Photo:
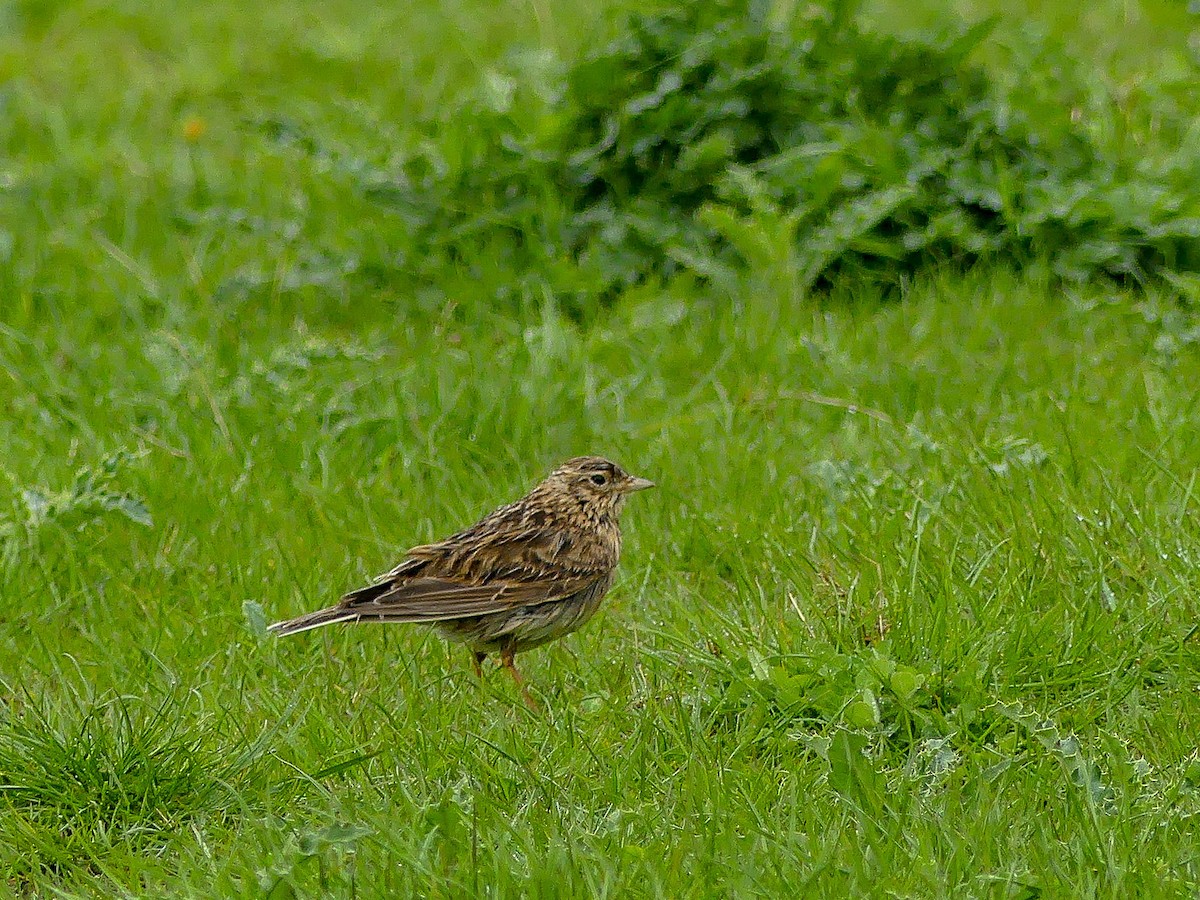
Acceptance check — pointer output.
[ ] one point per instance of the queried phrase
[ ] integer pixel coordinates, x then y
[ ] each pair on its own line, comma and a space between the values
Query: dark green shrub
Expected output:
706, 125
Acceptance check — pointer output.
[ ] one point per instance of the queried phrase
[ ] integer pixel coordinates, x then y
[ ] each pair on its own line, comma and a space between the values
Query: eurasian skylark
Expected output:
523, 575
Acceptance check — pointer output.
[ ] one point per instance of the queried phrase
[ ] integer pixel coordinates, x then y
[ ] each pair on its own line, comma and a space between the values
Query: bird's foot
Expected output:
506, 660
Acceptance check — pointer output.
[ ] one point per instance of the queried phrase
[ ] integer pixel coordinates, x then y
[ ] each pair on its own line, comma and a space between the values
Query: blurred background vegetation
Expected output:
319, 152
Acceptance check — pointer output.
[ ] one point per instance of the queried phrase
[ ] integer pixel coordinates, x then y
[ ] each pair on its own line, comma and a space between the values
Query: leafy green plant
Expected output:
865, 690
332, 841
91, 492
1083, 773
708, 136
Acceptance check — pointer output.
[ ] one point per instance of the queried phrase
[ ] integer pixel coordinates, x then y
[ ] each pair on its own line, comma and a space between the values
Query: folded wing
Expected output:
425, 599
456, 580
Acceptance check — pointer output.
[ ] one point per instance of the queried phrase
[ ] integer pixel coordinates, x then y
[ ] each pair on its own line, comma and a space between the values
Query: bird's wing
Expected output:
438, 599
455, 579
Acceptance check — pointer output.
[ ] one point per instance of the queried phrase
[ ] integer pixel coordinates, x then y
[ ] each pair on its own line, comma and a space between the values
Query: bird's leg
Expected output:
477, 663
506, 660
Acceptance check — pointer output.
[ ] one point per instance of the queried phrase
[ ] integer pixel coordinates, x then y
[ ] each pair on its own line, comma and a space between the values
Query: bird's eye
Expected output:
599, 479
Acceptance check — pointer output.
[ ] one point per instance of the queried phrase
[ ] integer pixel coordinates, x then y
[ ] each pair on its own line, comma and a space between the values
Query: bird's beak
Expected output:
637, 484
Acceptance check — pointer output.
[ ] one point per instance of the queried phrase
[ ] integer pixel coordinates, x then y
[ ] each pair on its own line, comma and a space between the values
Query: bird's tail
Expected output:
314, 620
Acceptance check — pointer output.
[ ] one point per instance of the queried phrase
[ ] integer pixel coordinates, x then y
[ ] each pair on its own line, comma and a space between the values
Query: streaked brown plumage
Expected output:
523, 575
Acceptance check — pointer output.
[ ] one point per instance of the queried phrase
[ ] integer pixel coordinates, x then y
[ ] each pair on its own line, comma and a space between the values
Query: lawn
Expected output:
913, 612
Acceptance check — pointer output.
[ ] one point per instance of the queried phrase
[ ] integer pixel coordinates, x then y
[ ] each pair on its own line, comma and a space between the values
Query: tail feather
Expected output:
314, 620
345, 611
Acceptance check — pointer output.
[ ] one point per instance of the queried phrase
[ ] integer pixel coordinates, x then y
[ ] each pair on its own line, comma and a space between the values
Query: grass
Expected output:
913, 611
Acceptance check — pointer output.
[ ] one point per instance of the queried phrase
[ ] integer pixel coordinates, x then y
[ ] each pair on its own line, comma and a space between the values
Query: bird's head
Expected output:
596, 484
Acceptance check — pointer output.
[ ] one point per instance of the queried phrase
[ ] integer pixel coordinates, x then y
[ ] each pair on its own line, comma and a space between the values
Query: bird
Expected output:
523, 575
